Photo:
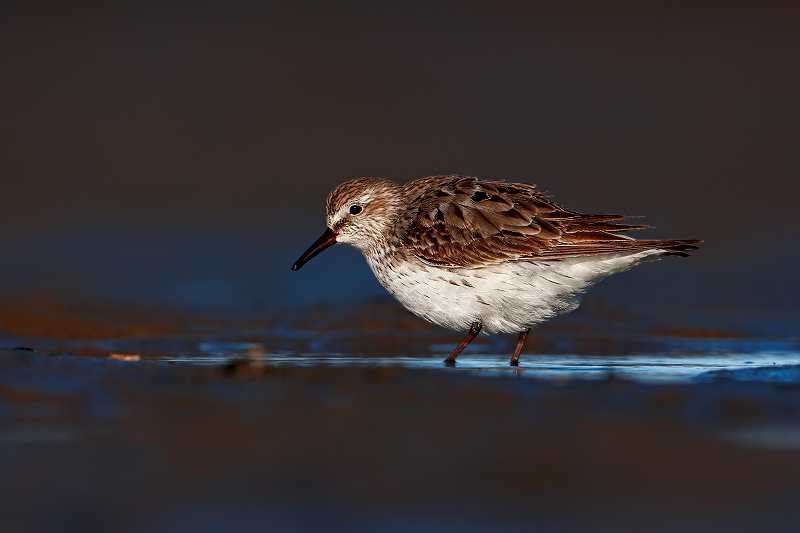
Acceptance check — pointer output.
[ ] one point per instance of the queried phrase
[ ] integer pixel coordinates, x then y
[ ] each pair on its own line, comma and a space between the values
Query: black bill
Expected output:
328, 238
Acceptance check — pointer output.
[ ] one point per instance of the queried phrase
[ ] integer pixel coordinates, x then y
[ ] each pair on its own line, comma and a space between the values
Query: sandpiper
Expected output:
476, 255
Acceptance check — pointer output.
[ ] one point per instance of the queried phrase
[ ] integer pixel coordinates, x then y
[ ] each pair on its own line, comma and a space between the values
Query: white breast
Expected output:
505, 298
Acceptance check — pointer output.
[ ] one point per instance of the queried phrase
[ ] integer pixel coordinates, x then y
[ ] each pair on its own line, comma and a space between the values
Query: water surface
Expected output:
664, 368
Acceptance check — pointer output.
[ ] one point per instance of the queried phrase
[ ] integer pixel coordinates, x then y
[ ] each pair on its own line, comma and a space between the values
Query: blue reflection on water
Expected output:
649, 368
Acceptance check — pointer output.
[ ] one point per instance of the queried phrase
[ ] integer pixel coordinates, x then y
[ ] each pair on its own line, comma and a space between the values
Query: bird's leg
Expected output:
518, 350
473, 331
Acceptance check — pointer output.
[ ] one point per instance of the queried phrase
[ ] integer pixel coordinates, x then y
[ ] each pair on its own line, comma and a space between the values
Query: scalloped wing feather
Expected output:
466, 222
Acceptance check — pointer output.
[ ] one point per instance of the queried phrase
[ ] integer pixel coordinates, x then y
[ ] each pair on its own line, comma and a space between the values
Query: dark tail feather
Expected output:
679, 248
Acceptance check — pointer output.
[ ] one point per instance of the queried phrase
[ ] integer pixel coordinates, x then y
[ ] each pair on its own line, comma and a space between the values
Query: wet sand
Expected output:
250, 425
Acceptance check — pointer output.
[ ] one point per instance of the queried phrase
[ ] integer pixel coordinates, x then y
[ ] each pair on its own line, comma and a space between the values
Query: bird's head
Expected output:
360, 213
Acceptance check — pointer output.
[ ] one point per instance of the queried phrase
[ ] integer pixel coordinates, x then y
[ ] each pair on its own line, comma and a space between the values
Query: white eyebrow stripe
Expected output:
339, 215
365, 198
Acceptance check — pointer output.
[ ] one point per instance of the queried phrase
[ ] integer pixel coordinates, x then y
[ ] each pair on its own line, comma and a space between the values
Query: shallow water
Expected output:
662, 368
346, 419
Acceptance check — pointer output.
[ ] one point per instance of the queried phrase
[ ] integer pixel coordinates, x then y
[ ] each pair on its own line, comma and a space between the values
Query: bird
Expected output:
479, 255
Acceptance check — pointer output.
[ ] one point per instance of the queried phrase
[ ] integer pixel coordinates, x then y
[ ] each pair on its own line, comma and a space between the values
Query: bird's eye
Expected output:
355, 209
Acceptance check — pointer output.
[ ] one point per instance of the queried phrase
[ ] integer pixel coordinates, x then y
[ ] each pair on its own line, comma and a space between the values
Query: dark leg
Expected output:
474, 330
520, 342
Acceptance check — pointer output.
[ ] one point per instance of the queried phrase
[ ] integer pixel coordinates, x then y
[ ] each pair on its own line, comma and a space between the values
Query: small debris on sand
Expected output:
123, 357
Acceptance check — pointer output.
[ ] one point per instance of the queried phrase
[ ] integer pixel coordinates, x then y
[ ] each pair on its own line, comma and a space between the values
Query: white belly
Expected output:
505, 298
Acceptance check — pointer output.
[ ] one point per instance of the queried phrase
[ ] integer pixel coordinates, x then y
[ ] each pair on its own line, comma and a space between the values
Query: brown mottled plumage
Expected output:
466, 222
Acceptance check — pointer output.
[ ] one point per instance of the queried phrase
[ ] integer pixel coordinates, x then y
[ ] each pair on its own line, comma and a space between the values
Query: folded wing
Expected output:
467, 222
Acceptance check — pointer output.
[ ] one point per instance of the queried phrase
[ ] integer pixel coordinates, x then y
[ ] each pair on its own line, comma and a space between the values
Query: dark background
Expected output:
179, 153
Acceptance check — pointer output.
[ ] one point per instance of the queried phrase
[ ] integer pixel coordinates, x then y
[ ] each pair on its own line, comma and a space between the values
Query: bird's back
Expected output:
466, 222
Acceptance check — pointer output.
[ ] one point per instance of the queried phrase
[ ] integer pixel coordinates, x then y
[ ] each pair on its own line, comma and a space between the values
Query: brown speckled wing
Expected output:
467, 222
